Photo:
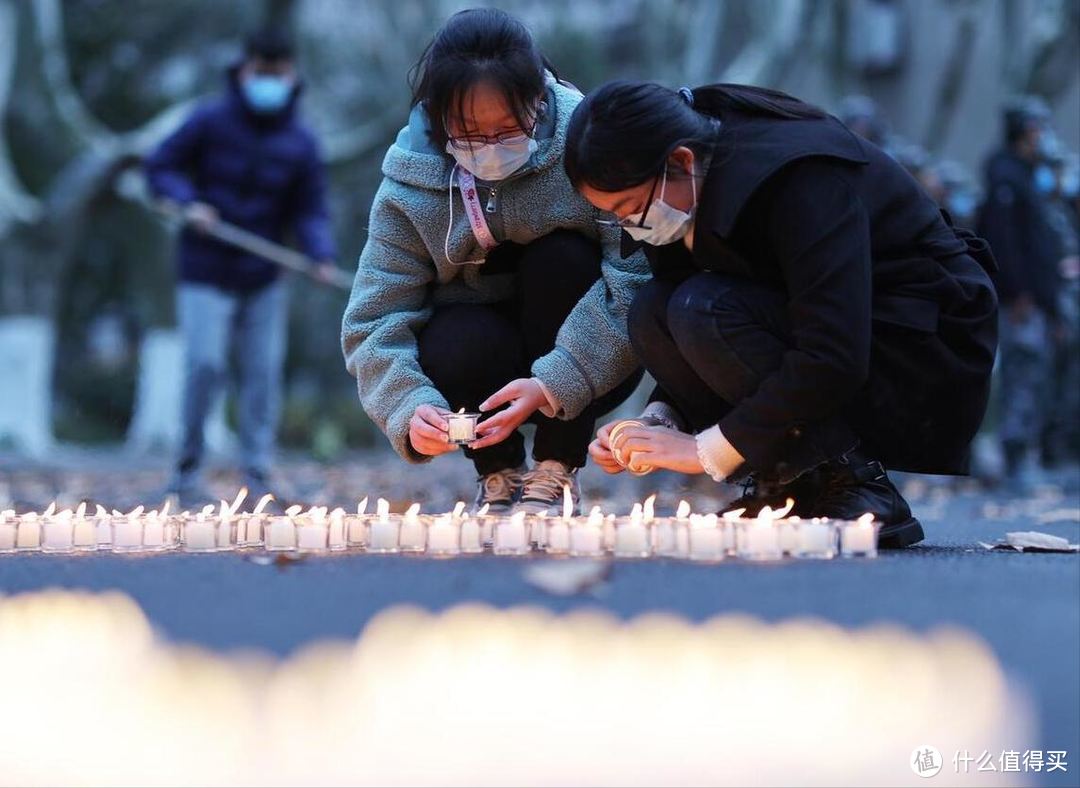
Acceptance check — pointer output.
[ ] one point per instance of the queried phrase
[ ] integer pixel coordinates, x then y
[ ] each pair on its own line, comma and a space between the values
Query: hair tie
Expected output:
687, 95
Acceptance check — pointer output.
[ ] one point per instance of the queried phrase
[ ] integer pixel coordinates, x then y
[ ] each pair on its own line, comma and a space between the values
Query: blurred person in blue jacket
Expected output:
244, 158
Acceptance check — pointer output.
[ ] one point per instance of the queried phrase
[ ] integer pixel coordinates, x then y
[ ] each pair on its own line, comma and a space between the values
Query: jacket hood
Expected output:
413, 160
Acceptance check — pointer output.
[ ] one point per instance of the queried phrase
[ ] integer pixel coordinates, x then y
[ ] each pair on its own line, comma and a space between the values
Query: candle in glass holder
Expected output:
312, 530
279, 533
103, 526
632, 535
9, 527
705, 536
587, 535
127, 530
487, 524
356, 525
859, 538
788, 529
759, 539
200, 532
444, 535
28, 535
817, 539
154, 530
557, 535
226, 525
682, 530
336, 538
412, 538
461, 427
58, 532
511, 535
250, 534
383, 531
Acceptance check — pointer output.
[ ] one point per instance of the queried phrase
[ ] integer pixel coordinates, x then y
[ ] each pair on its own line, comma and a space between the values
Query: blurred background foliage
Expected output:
88, 86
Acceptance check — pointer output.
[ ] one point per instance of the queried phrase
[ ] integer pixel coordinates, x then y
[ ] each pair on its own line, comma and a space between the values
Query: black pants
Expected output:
709, 341
470, 351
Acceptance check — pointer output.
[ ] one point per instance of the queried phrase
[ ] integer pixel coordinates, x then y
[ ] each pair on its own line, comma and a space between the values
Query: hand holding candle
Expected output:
428, 431
524, 397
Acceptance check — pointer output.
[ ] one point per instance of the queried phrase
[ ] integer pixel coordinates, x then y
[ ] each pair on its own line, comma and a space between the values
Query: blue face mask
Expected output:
267, 94
961, 204
1044, 179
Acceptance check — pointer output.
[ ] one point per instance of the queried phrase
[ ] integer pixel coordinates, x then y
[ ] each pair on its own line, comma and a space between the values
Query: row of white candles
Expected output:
771, 535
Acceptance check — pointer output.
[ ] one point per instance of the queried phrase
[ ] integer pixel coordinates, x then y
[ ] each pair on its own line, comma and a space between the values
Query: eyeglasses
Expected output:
640, 223
514, 137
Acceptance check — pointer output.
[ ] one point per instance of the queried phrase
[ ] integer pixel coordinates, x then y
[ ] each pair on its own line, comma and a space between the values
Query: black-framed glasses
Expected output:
640, 223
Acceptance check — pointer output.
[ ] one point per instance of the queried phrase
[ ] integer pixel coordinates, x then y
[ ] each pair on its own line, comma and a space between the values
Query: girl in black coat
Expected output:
813, 316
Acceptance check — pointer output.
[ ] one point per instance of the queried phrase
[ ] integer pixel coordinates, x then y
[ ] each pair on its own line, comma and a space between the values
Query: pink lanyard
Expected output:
474, 210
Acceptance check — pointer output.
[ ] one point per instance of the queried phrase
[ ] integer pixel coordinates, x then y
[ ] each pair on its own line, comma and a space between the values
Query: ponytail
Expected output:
622, 134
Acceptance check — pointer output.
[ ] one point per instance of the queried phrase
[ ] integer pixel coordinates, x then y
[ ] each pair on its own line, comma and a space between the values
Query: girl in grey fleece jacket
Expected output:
422, 260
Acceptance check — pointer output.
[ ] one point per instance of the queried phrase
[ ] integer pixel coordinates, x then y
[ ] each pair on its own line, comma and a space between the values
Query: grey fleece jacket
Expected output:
404, 273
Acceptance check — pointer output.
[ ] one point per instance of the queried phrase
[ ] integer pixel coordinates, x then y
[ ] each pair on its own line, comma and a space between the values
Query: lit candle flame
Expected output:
165, 508
649, 510
412, 512
223, 509
263, 503
138, 510
362, 506
734, 514
780, 514
567, 503
239, 500
294, 510
483, 510
383, 509
596, 517
49, 512
80, 512
518, 518
100, 511
866, 520
683, 511
636, 514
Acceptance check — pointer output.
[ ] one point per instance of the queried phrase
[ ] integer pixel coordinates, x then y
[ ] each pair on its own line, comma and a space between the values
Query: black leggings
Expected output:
470, 351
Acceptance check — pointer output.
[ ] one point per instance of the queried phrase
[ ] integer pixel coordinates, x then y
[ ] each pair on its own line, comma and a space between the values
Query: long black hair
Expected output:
478, 45
622, 133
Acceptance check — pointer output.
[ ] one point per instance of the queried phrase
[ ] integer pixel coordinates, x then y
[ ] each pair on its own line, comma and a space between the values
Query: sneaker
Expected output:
542, 491
853, 485
498, 491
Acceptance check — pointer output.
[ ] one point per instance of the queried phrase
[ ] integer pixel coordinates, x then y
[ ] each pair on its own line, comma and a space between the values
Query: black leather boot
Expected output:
761, 490
853, 485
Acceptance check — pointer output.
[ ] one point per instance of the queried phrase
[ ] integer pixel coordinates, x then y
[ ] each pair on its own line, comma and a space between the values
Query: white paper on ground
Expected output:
1033, 541
566, 578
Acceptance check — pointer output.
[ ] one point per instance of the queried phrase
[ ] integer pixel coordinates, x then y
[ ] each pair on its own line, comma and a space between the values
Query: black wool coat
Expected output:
892, 310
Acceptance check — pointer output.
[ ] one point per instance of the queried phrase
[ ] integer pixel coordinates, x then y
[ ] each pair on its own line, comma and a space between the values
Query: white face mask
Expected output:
494, 161
664, 224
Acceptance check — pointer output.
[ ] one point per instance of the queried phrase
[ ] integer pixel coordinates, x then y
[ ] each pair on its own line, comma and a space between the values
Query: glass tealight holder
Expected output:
662, 536
158, 534
461, 428
817, 539
249, 529
586, 538
557, 536
757, 541
200, 535
356, 528
312, 535
383, 534
511, 536
412, 533
705, 539
28, 536
84, 534
57, 535
858, 539
9, 531
472, 535
444, 536
279, 533
631, 538
537, 525
125, 534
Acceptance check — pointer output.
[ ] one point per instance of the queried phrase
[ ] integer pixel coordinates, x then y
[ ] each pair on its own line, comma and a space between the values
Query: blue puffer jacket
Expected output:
261, 172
